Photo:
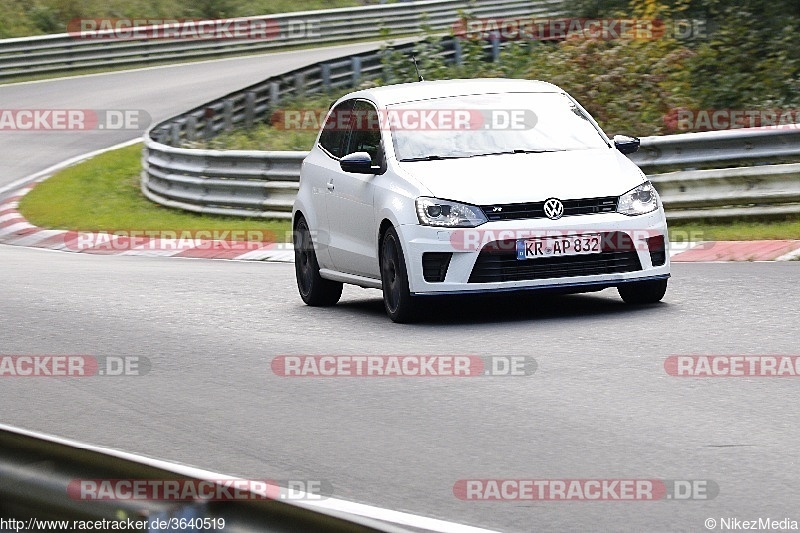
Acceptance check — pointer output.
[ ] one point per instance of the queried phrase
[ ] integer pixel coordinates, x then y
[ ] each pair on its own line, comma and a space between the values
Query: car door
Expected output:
353, 244
320, 169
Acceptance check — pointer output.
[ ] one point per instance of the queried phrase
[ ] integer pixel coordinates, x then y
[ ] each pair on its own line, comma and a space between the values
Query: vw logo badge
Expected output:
553, 209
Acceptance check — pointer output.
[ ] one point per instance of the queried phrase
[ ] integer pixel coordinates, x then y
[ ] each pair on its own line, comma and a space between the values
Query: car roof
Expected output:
425, 90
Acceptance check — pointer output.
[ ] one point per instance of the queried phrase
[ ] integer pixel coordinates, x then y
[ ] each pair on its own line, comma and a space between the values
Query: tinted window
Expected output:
337, 126
365, 135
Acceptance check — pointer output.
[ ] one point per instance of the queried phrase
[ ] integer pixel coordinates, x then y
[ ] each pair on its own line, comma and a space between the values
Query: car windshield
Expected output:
488, 124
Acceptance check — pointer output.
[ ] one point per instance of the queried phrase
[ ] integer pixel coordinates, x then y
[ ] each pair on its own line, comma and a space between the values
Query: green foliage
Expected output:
749, 57
627, 86
743, 64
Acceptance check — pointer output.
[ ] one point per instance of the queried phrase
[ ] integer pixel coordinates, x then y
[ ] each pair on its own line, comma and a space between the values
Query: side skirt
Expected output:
352, 279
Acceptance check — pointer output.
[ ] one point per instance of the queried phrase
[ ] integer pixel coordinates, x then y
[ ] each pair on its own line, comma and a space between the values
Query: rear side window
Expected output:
334, 134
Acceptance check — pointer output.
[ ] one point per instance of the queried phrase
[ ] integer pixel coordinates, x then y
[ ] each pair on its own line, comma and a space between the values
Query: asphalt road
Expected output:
160, 91
599, 406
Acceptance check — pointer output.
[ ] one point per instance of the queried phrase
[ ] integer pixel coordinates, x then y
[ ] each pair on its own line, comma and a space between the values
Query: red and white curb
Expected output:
16, 230
772, 250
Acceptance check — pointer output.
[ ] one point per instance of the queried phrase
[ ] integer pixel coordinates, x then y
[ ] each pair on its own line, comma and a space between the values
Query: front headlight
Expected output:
435, 212
638, 201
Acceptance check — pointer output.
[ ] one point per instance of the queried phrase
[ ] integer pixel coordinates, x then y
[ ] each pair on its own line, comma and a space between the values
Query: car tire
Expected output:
643, 292
400, 305
314, 289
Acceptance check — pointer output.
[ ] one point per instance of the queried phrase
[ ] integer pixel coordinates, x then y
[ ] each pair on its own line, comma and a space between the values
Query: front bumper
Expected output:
465, 247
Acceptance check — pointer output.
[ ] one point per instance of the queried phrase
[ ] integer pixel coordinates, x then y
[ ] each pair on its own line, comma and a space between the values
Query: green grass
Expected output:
738, 230
103, 194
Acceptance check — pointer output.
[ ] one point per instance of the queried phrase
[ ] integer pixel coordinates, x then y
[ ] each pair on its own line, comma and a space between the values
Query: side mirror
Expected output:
626, 144
358, 163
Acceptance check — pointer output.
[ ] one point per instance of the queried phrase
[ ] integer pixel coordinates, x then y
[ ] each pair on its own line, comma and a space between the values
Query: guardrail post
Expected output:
355, 68
208, 128
325, 71
299, 83
274, 94
227, 113
249, 108
191, 128
175, 134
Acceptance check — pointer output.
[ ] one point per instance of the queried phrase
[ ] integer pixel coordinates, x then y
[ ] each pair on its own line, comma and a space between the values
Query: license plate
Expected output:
558, 246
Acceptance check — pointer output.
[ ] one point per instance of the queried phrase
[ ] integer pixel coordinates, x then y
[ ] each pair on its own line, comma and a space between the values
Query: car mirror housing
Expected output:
359, 163
626, 144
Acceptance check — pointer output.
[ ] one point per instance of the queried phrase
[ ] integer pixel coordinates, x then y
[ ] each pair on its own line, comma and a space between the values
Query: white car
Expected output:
473, 186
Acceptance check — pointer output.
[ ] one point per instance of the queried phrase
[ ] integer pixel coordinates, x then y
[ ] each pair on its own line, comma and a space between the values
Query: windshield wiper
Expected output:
521, 151
442, 157
433, 158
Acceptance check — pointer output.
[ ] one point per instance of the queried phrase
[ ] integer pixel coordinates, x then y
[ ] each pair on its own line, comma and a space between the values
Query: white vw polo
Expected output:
472, 186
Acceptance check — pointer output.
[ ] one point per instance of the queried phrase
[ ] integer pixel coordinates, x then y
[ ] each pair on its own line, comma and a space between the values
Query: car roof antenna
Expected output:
419, 76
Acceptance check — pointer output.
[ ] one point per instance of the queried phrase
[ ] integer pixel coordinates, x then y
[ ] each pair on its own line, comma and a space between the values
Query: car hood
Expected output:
516, 178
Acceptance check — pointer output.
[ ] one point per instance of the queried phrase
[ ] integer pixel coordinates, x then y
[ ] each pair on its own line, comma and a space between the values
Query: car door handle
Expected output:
330, 185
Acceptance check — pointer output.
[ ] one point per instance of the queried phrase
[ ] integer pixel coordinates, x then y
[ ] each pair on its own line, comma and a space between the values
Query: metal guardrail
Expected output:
264, 184
65, 52
240, 183
38, 476
688, 149
768, 190
230, 182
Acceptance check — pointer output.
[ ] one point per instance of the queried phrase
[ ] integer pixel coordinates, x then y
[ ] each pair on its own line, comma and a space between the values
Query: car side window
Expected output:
337, 126
365, 132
